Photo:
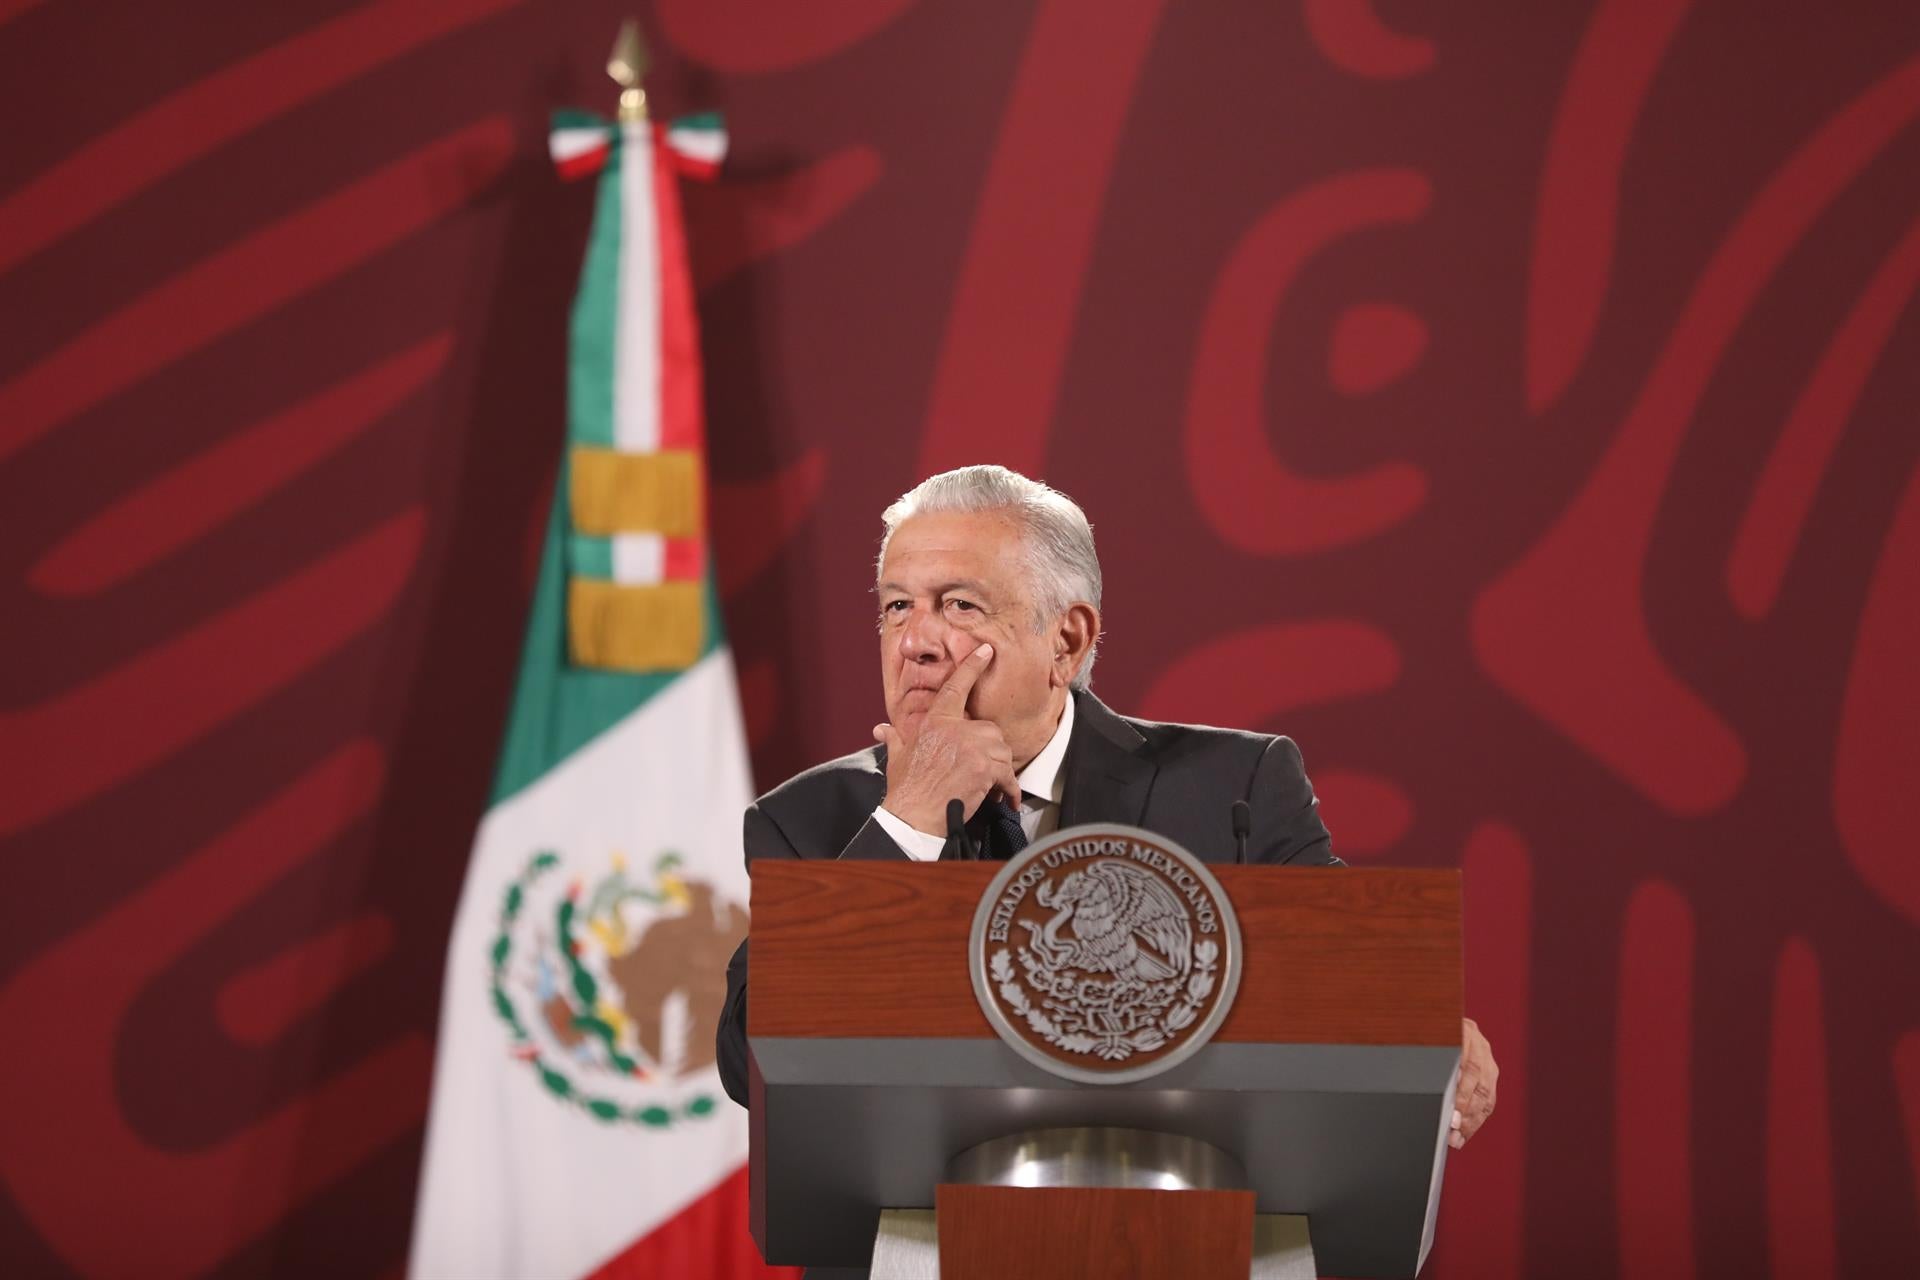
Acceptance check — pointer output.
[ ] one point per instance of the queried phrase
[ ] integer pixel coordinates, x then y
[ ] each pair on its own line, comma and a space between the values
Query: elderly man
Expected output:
989, 595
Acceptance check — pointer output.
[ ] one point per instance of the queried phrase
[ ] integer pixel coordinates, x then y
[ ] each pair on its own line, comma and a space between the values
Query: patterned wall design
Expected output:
1513, 402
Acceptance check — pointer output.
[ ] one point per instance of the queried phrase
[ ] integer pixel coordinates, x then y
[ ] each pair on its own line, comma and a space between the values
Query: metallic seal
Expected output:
1105, 954
1099, 1157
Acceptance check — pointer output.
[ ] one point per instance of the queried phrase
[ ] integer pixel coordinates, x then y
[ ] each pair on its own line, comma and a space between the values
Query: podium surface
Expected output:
872, 1065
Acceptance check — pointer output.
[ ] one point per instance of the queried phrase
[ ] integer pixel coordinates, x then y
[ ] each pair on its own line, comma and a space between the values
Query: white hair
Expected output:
1061, 565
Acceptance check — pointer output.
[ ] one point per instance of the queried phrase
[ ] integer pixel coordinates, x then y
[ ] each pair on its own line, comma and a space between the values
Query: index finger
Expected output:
952, 698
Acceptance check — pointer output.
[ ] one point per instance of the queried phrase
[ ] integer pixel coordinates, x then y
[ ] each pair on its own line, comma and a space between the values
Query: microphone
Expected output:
1242, 828
957, 829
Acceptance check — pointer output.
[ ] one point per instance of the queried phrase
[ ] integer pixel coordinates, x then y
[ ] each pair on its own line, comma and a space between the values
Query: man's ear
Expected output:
1073, 639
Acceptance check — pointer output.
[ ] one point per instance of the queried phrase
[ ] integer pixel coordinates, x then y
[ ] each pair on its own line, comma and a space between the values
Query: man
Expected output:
989, 594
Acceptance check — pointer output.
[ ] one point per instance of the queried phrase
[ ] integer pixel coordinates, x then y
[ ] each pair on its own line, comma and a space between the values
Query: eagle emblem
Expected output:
1105, 953
1124, 921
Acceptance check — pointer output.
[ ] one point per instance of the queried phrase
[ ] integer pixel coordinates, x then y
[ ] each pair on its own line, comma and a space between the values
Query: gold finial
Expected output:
627, 64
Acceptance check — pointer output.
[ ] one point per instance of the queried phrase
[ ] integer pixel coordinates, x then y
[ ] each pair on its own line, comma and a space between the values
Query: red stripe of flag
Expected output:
686, 560
708, 1240
584, 164
682, 424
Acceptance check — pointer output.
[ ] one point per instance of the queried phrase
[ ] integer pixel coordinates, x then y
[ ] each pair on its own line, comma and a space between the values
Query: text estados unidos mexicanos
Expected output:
1021, 885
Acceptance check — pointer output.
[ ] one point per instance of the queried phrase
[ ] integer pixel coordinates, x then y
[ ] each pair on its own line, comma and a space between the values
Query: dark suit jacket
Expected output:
1176, 780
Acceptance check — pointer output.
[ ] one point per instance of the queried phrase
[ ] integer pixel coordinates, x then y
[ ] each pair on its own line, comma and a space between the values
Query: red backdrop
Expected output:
1513, 402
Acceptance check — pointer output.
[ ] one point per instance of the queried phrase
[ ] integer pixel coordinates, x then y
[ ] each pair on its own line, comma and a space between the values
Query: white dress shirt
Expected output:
1040, 786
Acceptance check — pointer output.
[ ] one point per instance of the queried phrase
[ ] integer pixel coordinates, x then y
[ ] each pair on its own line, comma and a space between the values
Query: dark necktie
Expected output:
1005, 835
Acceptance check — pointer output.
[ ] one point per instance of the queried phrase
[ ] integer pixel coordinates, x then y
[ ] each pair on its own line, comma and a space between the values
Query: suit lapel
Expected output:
1108, 777
871, 841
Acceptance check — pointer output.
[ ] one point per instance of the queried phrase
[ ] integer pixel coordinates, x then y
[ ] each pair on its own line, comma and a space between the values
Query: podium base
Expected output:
908, 1247
1094, 1156
1282, 1249
1093, 1202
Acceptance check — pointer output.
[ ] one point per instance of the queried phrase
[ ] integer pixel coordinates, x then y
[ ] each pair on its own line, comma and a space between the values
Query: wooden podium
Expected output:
872, 1069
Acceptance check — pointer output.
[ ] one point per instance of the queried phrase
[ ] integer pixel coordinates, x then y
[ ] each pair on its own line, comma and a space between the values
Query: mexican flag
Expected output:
577, 1122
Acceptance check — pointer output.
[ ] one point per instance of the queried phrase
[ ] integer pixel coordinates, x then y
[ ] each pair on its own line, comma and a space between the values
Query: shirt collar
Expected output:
1041, 778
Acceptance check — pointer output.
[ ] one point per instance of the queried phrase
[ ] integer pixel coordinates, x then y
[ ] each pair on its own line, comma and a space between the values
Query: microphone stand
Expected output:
957, 832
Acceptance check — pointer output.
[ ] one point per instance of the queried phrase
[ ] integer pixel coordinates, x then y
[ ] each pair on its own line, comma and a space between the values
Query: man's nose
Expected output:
923, 639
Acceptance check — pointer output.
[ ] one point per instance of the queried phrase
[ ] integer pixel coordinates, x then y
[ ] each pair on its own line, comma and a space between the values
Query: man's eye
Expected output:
964, 606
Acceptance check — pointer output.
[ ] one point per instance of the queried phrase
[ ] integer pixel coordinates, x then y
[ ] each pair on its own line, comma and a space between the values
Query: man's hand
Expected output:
1473, 1102
950, 756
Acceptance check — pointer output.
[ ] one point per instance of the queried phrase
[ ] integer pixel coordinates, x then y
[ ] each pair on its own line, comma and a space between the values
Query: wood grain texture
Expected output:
1066, 1233
1332, 955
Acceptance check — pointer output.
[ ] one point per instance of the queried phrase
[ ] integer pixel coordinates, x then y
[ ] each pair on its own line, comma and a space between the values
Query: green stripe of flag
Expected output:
568, 119
590, 557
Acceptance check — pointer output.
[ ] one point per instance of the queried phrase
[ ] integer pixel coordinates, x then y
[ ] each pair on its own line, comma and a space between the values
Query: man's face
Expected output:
951, 582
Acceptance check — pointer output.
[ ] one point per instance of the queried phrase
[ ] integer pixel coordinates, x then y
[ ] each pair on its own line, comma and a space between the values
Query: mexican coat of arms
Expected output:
1105, 954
